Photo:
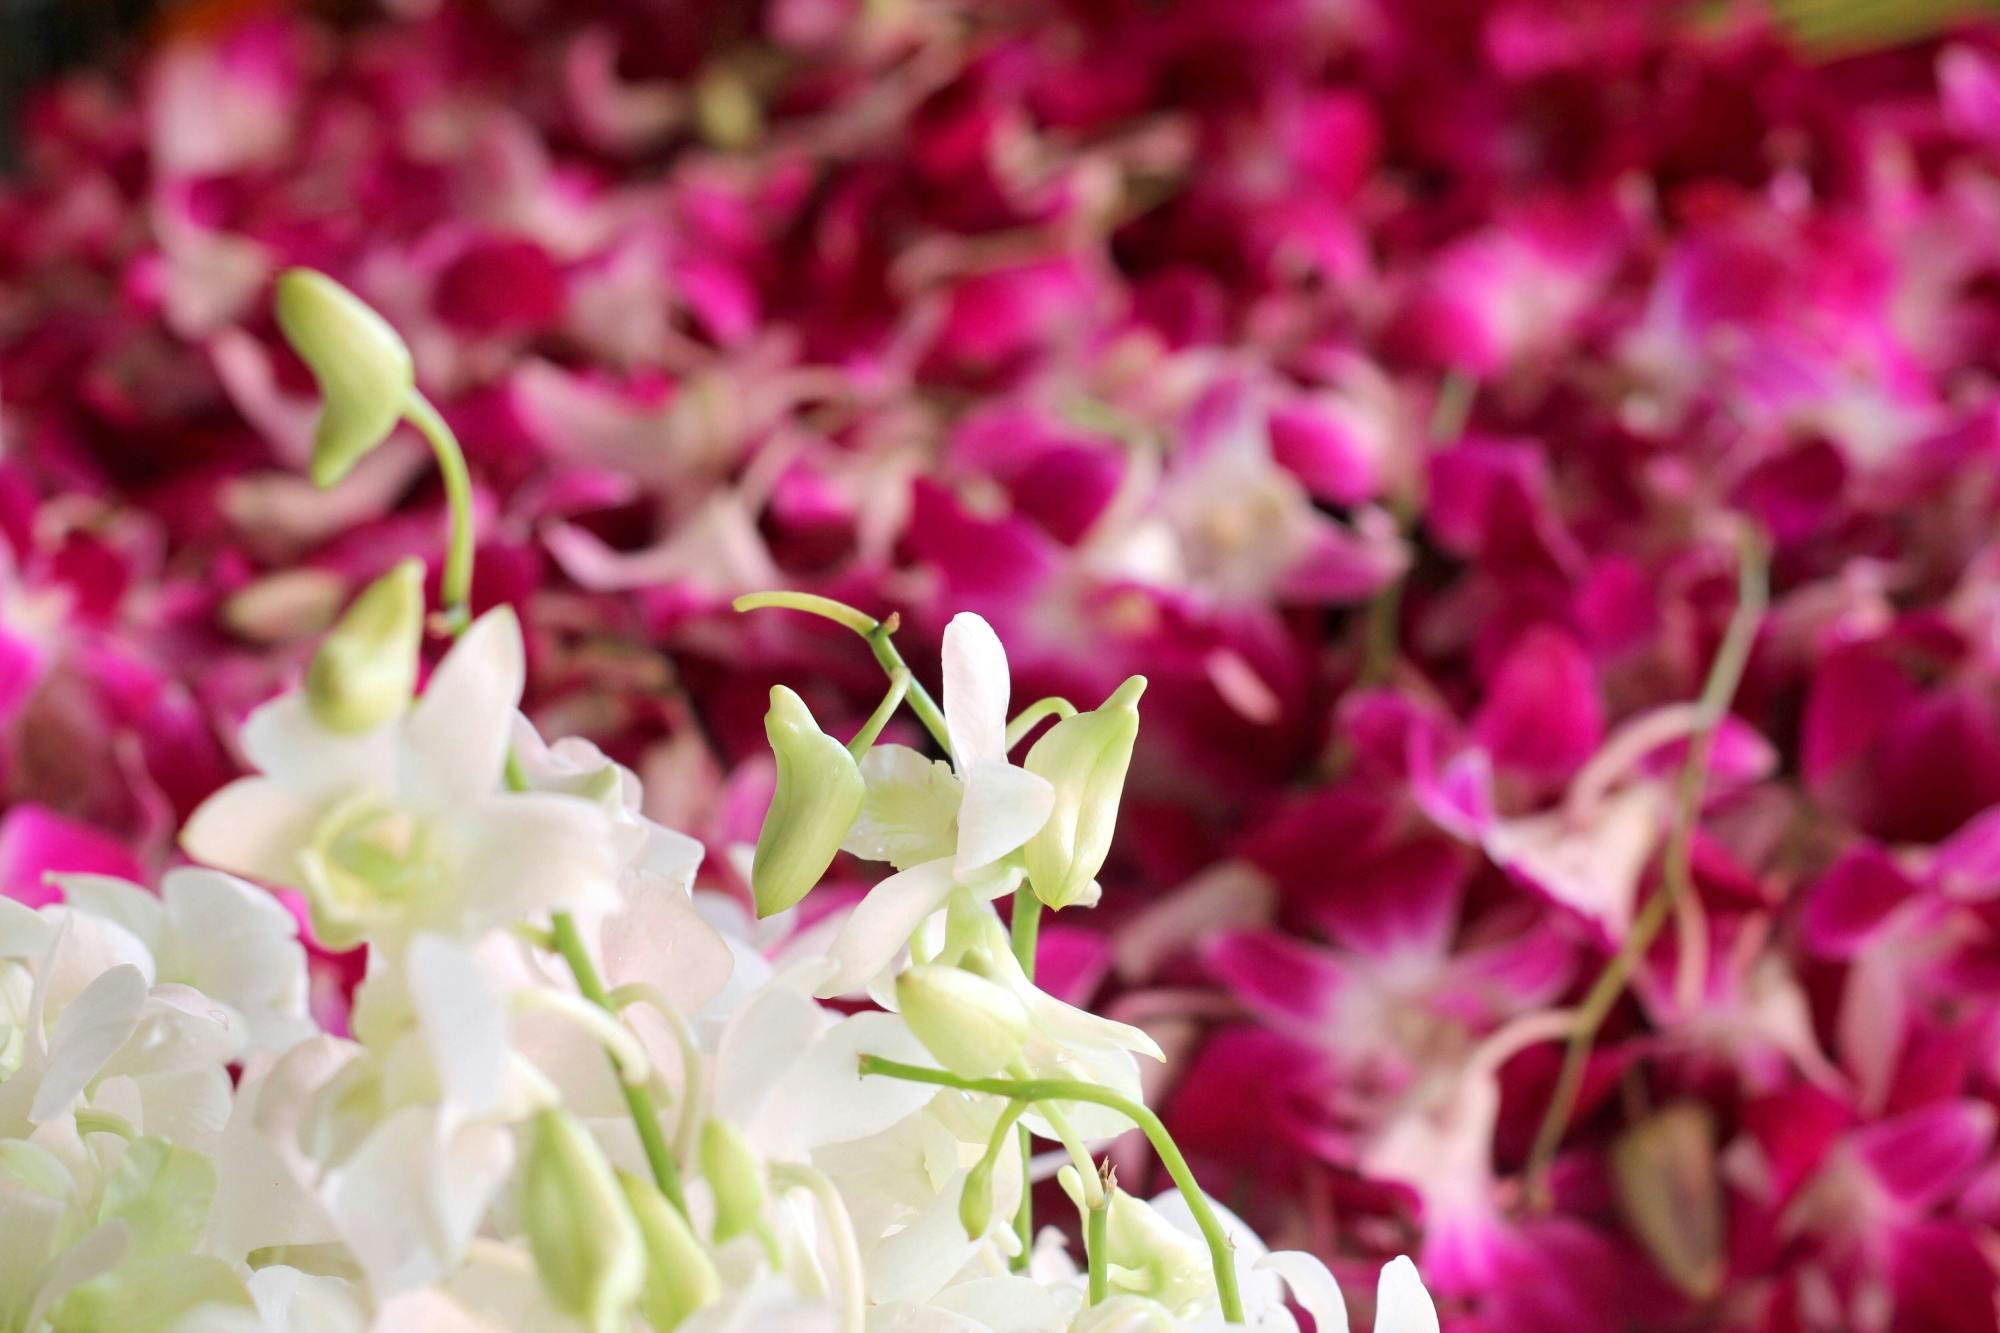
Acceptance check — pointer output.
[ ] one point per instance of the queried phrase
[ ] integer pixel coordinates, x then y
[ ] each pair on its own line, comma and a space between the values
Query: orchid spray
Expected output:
576, 1093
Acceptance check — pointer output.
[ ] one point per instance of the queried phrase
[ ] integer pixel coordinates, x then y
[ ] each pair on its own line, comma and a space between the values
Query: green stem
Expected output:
638, 1097
1024, 721
876, 632
1067, 1090
899, 686
1025, 932
457, 581
1096, 1241
1677, 869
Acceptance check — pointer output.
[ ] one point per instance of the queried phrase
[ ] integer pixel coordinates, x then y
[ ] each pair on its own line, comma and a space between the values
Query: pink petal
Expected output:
36, 842
1852, 900
1922, 1156
1290, 983
1543, 715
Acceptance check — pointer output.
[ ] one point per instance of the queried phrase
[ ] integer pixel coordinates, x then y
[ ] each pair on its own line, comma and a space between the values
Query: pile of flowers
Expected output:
1543, 460
570, 1096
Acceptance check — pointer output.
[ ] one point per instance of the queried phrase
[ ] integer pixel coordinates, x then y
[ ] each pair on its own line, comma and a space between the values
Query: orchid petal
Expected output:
1401, 1303
882, 923
976, 689
1313, 1288
91, 1029
253, 827
455, 740
1004, 806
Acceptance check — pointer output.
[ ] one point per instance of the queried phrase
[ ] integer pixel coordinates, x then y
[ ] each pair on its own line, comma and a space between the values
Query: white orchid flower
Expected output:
83, 1025
227, 939
406, 827
946, 831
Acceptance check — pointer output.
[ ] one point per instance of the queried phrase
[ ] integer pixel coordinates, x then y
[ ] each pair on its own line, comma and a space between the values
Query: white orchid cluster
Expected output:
578, 1095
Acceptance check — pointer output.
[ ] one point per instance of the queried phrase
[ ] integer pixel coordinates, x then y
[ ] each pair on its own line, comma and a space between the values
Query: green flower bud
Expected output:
975, 1200
363, 368
736, 1177
680, 1277
587, 1246
1663, 1171
365, 671
970, 1025
819, 793
1084, 758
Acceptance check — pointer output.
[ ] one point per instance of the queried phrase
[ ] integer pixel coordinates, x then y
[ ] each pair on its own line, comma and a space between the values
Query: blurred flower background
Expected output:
1452, 406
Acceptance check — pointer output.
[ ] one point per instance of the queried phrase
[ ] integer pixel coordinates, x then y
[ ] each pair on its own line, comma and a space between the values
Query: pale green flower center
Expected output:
367, 861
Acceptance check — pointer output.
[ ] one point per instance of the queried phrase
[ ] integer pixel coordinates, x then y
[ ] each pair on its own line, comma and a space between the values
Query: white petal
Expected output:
975, 691
114, 899
455, 743
1401, 1303
1312, 1286
1067, 1025
1003, 807
766, 1038
658, 938
822, 1098
253, 827
209, 904
463, 1021
907, 815
305, 1303
182, 1104
24, 932
89, 1032
882, 923
237, 944
284, 742
917, 1260
520, 854
405, 1201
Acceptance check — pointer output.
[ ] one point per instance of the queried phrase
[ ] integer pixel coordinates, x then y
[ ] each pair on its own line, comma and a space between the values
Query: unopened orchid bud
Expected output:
586, 1245
975, 1199
818, 794
362, 366
726, 111
1668, 1187
365, 670
1084, 758
970, 1025
736, 1177
680, 1276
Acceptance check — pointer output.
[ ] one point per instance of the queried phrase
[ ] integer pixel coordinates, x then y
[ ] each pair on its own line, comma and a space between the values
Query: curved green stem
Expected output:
457, 580
840, 613
653, 998
1024, 721
1220, 1249
1725, 673
899, 688
878, 634
638, 1097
